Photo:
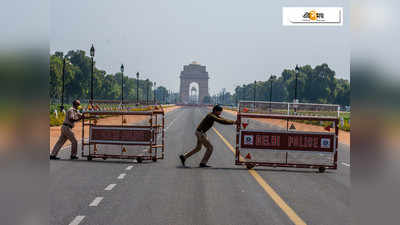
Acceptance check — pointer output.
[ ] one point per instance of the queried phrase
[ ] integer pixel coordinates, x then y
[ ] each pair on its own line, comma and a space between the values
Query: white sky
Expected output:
238, 41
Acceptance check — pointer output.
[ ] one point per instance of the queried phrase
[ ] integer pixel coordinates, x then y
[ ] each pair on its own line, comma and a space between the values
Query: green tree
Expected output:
314, 85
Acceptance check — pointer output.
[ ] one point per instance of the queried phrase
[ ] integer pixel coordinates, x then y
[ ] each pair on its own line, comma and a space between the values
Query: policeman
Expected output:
71, 117
201, 130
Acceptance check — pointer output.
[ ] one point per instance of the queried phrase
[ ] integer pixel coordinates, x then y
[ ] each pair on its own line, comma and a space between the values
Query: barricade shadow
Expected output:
113, 161
288, 170
256, 169
211, 168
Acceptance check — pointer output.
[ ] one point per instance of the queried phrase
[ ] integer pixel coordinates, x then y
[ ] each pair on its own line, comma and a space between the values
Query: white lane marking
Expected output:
110, 187
121, 176
173, 121
129, 168
345, 164
77, 220
159, 137
96, 201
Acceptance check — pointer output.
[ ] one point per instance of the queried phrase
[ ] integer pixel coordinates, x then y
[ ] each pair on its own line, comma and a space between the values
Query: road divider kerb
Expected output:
268, 189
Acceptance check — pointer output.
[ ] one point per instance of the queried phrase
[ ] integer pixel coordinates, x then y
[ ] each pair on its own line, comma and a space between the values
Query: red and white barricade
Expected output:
287, 135
125, 132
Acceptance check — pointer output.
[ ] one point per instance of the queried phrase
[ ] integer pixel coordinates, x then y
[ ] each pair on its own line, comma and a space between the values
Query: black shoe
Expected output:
74, 157
203, 165
53, 157
182, 158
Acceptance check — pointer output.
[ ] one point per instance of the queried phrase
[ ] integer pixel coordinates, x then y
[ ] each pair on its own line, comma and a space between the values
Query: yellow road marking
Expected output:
267, 188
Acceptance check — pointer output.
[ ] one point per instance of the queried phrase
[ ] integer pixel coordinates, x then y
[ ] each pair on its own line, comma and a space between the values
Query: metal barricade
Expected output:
122, 131
267, 136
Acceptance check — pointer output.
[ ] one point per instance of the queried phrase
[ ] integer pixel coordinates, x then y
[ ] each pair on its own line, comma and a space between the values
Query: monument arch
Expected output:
197, 73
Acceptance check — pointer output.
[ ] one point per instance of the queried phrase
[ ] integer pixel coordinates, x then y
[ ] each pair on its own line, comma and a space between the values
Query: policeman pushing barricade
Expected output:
72, 116
201, 130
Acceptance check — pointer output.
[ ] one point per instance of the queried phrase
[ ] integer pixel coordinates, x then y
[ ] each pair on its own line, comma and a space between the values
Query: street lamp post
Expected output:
62, 89
295, 87
254, 96
147, 91
272, 78
270, 91
122, 83
237, 96
137, 88
91, 79
154, 94
223, 96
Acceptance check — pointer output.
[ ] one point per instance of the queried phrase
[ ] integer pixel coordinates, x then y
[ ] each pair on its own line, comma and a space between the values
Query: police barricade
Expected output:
122, 131
282, 134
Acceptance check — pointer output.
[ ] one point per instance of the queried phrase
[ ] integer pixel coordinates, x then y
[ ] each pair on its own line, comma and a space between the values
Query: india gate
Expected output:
196, 73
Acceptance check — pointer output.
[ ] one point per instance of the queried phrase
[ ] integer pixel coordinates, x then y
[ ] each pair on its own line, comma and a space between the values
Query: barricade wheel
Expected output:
89, 158
250, 166
321, 169
104, 158
154, 158
139, 159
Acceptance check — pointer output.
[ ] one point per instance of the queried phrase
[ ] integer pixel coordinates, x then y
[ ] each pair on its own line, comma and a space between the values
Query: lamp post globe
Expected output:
92, 51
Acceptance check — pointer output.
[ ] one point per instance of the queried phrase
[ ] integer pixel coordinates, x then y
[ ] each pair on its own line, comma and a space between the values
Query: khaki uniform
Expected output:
66, 132
200, 133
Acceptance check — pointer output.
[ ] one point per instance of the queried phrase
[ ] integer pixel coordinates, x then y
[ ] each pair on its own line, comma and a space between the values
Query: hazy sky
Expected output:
238, 41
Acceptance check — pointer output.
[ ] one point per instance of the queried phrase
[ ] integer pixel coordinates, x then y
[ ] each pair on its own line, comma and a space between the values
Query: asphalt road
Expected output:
125, 192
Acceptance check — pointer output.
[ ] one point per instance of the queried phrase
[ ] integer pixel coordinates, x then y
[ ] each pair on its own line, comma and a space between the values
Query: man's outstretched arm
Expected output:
222, 120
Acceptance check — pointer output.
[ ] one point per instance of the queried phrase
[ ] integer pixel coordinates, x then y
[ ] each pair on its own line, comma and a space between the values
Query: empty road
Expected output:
125, 192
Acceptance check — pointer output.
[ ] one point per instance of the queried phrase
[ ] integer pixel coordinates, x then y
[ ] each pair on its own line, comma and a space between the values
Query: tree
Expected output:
314, 85
78, 75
